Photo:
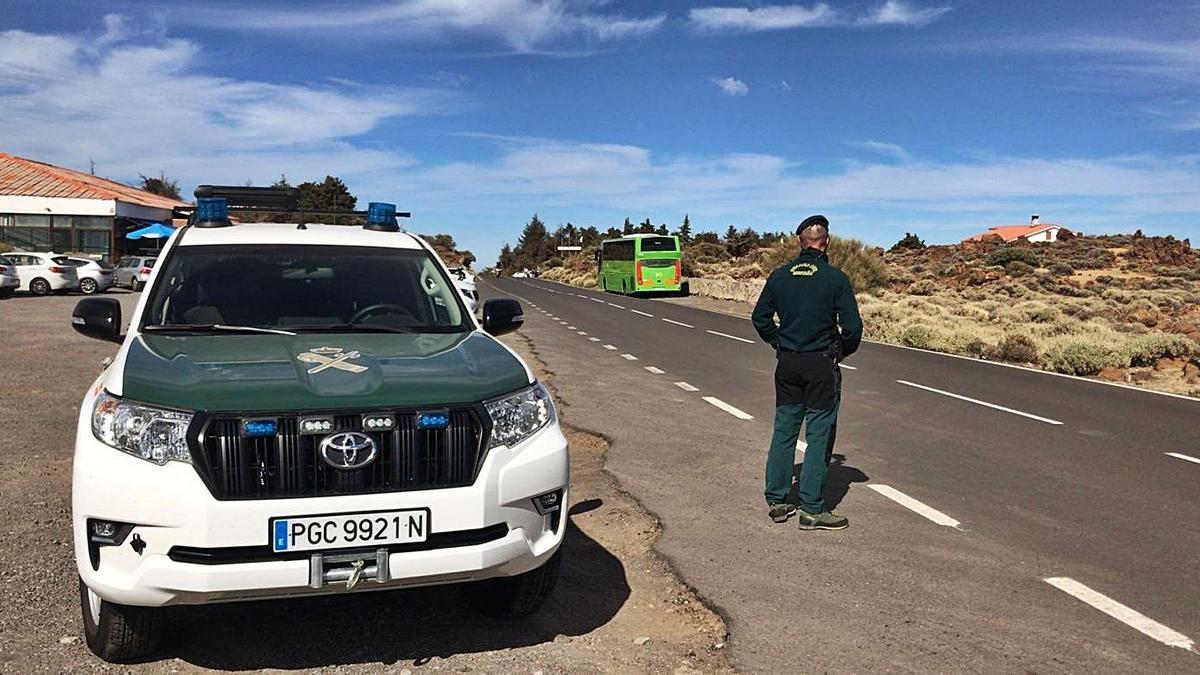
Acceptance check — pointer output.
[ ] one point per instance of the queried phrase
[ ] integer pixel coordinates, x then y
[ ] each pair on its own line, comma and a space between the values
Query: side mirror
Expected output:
98, 318
502, 315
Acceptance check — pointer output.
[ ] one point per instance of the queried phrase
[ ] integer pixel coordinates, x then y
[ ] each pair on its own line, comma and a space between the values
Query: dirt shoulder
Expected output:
614, 591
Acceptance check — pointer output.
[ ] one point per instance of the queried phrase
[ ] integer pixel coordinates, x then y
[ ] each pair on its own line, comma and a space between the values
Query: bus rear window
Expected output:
658, 244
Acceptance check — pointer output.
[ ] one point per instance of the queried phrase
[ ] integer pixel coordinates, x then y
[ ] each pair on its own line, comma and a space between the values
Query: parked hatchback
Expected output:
133, 271
42, 273
95, 276
9, 279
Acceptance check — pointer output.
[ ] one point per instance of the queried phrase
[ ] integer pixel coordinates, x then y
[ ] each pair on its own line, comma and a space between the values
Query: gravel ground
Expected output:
618, 607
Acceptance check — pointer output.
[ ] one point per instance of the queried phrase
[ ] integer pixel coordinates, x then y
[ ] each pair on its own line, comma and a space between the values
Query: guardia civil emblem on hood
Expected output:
331, 357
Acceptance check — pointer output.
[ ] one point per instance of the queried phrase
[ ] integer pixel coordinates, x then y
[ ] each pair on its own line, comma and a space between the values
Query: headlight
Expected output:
517, 416
154, 434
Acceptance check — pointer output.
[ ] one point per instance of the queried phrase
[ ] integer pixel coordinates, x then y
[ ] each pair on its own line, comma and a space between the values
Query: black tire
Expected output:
39, 286
88, 286
120, 633
135, 285
5, 292
515, 597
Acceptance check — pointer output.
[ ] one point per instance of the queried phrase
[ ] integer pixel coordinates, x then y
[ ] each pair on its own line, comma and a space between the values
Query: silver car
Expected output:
133, 271
9, 279
95, 276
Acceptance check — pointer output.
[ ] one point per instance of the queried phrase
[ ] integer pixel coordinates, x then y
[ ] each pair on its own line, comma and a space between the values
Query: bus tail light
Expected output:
638, 266
678, 270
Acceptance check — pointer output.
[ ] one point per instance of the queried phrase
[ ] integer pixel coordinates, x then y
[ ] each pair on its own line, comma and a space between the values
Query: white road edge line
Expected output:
914, 505
1125, 615
635, 311
613, 304
731, 337
679, 323
686, 387
610, 348
985, 404
629, 357
656, 371
728, 408
842, 365
1186, 458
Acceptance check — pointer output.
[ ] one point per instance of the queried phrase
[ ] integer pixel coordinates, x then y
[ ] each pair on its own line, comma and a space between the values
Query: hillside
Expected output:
1122, 308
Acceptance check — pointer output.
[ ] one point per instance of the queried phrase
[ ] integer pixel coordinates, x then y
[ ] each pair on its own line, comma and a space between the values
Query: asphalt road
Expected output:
1001, 519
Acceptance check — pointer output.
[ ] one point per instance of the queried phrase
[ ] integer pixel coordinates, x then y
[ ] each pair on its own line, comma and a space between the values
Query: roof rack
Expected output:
214, 203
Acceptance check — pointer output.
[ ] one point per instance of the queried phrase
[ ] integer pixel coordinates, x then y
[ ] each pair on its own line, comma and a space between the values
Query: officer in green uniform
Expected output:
812, 299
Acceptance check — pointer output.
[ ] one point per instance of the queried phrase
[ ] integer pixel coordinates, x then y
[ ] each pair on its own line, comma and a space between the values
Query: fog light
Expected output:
549, 502
316, 425
104, 533
378, 422
104, 528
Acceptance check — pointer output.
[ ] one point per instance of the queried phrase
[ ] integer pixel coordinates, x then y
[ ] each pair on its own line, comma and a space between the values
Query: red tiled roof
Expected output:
25, 177
1011, 232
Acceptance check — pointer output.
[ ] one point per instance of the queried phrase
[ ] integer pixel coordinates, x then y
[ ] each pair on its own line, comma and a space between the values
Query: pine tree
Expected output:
330, 194
730, 234
662, 230
627, 228
685, 231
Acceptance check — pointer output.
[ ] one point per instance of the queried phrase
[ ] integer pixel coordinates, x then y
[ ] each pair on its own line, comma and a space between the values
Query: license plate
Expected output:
344, 530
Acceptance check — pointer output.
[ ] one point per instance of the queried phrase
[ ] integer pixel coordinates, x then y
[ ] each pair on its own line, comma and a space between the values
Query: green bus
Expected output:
639, 263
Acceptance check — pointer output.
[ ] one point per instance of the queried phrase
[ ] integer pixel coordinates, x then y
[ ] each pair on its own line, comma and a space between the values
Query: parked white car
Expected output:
94, 276
42, 273
9, 279
465, 282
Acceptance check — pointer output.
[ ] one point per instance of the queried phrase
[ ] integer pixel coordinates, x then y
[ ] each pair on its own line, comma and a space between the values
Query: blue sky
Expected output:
936, 116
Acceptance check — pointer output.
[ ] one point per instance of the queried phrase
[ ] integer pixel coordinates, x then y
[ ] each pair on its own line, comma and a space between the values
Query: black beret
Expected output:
812, 220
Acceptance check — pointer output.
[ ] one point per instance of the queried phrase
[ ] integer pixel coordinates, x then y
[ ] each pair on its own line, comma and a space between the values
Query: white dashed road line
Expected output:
635, 311
1125, 615
679, 323
613, 304
731, 337
629, 357
686, 387
656, 371
914, 505
728, 408
978, 402
570, 327
596, 300
1186, 458
593, 339
842, 365
581, 332
610, 348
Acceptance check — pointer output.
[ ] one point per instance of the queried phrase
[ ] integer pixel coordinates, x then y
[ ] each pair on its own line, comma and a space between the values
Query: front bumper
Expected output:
489, 529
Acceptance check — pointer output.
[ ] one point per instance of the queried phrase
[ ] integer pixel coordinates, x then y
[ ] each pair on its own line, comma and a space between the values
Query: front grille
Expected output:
288, 464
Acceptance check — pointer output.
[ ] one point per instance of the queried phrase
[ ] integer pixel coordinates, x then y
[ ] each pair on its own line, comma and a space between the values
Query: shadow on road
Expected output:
837, 483
396, 626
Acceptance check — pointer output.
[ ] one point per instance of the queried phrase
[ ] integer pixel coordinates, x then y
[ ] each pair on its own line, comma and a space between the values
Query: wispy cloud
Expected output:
786, 17
771, 17
523, 25
66, 99
889, 149
731, 86
899, 13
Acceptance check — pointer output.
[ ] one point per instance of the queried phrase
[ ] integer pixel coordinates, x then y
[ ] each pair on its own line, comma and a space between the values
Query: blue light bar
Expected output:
433, 420
212, 212
259, 428
381, 216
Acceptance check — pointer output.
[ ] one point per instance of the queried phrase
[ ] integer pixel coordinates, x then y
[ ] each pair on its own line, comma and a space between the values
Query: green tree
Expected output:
445, 241
730, 234
506, 260
614, 233
706, 238
909, 242
590, 236
627, 228
282, 182
535, 244
330, 194
662, 230
685, 231
646, 227
162, 186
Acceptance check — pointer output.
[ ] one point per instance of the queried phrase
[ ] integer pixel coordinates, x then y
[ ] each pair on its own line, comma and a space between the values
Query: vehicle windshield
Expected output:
301, 288
6, 261
658, 244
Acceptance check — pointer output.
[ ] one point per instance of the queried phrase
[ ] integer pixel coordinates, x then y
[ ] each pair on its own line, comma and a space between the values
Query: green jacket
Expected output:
812, 298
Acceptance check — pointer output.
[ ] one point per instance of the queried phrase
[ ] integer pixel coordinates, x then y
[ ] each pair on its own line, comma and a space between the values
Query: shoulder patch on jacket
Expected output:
803, 270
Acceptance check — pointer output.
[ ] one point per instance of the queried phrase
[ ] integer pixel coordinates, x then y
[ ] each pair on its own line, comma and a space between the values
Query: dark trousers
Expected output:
808, 392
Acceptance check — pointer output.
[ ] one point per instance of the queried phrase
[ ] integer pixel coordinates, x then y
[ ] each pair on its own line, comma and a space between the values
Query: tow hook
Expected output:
351, 567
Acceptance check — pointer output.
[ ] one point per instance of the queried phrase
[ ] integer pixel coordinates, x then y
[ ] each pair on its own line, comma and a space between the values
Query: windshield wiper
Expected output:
353, 328
210, 328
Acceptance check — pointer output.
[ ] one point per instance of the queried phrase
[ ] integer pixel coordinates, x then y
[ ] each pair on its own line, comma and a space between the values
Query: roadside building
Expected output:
1035, 231
48, 208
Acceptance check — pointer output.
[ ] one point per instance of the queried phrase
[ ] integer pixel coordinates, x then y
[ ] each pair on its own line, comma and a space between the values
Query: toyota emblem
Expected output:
348, 450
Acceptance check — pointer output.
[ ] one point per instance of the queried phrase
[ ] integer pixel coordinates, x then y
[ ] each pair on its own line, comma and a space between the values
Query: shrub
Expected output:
910, 242
1016, 348
866, 270
1018, 268
554, 262
1008, 254
5, 248
919, 336
923, 287
1146, 350
1061, 270
1080, 356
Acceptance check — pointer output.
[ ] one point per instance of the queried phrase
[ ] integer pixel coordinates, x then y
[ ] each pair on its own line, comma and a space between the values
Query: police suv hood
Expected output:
234, 373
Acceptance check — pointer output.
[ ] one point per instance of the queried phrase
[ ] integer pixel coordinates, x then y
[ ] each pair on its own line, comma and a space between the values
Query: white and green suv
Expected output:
299, 410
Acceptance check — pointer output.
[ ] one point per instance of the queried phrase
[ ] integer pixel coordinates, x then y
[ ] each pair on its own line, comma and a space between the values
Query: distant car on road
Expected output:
94, 276
9, 279
465, 282
520, 275
133, 271
42, 273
